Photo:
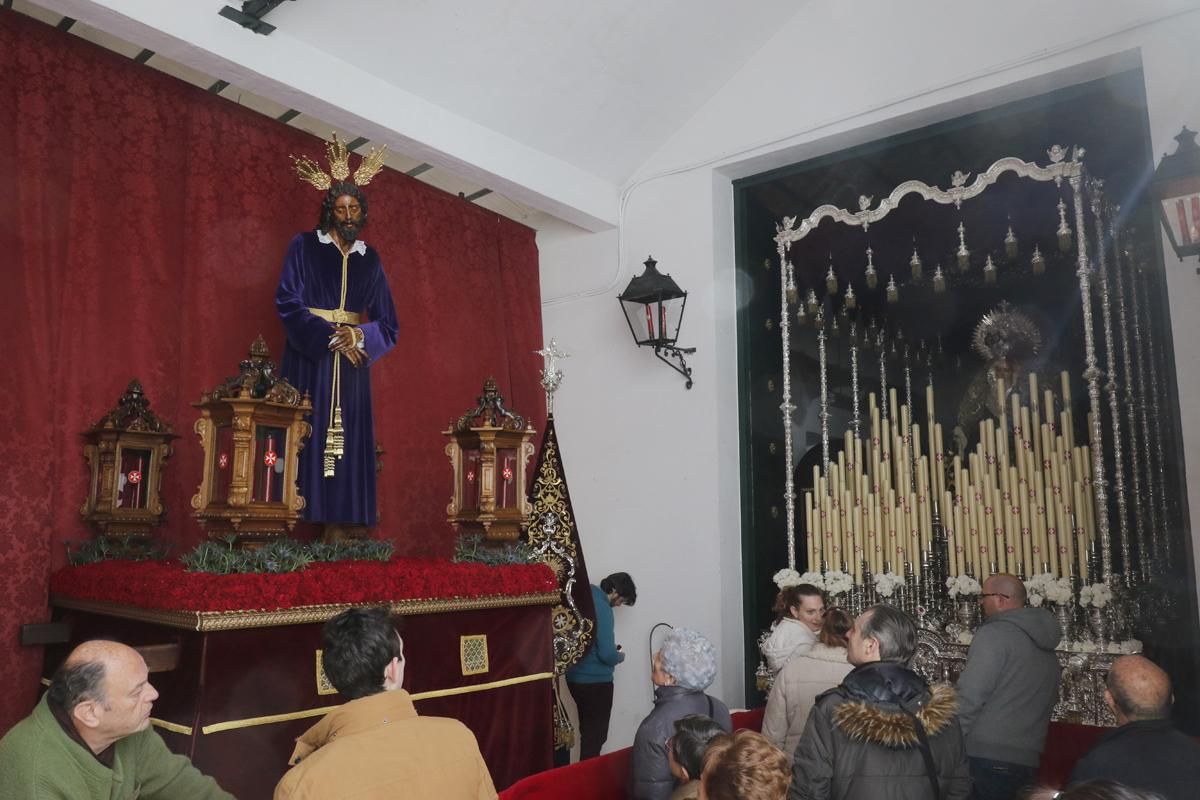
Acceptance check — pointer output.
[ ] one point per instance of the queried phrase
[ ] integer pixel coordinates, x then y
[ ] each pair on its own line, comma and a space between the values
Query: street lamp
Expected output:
653, 304
1176, 187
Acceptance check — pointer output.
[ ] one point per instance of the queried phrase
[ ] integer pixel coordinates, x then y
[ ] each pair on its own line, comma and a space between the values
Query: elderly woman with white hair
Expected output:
684, 667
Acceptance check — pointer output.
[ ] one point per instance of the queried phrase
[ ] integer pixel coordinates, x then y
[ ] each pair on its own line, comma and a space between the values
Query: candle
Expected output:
268, 470
811, 531
137, 487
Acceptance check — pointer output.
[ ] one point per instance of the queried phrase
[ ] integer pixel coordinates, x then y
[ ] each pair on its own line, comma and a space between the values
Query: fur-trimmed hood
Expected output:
881, 701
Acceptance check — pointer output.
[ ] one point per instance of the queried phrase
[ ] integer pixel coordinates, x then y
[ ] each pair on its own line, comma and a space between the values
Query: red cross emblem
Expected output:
270, 458
508, 473
470, 476
135, 476
223, 461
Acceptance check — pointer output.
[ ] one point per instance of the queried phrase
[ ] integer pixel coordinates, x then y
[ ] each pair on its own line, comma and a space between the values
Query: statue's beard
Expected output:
348, 231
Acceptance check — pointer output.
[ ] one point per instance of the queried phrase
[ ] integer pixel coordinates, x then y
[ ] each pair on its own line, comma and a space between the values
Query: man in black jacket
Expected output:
1145, 752
884, 733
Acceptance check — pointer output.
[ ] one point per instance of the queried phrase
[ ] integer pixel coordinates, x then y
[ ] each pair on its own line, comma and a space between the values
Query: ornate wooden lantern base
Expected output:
126, 451
252, 429
488, 448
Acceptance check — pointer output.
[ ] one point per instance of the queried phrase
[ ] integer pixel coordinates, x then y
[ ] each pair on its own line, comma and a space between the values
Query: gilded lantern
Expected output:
488, 449
252, 429
126, 451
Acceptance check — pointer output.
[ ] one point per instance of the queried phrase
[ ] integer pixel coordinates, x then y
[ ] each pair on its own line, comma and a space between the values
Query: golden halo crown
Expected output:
339, 166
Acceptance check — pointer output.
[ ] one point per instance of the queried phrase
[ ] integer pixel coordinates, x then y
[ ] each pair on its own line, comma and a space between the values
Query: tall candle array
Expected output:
1020, 502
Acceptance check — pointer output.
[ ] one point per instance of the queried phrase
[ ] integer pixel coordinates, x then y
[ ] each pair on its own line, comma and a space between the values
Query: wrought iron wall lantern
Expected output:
653, 304
1176, 187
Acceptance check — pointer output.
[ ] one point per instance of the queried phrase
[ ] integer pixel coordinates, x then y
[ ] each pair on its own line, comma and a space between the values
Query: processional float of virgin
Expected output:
1040, 454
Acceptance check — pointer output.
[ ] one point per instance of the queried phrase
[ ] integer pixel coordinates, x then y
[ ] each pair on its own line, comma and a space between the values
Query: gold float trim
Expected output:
173, 727
206, 621
252, 722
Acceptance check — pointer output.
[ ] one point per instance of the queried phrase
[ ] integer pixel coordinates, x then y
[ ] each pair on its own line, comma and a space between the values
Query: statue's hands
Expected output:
344, 340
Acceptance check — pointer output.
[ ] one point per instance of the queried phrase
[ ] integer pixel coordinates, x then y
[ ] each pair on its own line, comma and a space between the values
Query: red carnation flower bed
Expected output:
167, 585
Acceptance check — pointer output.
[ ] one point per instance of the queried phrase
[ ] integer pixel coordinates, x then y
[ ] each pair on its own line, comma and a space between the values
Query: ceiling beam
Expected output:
314, 81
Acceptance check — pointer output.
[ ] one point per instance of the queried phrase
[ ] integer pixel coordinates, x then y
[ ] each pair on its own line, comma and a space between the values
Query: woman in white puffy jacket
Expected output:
798, 612
804, 677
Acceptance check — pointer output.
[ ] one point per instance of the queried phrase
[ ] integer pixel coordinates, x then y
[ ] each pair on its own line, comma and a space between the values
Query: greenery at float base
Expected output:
281, 555
223, 557
107, 548
470, 548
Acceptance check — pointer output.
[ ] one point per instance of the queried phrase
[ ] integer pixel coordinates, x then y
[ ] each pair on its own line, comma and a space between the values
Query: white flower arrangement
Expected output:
887, 583
813, 579
787, 577
1127, 647
1097, 595
1045, 587
1130, 646
965, 637
837, 582
963, 586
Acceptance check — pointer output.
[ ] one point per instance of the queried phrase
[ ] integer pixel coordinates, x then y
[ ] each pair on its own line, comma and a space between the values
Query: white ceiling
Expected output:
549, 104
600, 85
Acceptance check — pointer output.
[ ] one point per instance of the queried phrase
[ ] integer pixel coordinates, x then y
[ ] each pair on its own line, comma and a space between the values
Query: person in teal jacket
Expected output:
591, 679
90, 739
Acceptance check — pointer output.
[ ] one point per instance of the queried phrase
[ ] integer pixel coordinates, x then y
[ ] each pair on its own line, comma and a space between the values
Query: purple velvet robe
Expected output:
312, 278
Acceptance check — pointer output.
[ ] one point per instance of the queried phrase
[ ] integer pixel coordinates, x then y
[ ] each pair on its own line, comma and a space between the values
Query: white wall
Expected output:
653, 468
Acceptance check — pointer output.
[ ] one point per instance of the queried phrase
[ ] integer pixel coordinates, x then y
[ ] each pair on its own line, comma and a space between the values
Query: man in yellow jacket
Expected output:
375, 745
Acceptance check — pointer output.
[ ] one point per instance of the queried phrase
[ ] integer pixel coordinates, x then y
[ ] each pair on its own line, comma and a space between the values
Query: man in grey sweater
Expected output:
1007, 690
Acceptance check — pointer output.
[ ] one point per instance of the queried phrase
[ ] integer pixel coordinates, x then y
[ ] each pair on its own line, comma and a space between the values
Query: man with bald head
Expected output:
1145, 752
90, 737
1007, 690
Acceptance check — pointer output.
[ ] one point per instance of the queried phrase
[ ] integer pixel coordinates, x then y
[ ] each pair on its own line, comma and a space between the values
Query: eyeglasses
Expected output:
993, 594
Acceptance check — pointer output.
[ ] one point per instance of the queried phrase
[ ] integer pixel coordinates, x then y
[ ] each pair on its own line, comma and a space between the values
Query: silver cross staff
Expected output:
551, 375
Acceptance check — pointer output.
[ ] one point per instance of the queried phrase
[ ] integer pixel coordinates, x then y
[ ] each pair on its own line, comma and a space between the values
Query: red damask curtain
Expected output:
142, 225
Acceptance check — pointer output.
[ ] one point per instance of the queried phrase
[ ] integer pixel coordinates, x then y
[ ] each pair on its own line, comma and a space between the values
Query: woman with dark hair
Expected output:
798, 611
803, 678
685, 752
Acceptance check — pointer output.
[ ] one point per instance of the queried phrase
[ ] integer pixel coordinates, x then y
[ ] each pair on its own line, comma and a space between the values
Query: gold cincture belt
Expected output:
337, 316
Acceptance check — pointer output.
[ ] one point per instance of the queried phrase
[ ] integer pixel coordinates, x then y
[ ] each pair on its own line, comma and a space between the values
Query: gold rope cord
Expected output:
173, 727
335, 434
251, 722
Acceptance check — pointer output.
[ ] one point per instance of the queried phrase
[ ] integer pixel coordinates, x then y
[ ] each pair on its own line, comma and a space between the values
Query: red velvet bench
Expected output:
606, 777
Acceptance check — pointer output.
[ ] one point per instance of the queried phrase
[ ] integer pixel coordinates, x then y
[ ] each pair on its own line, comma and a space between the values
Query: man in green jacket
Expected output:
90, 737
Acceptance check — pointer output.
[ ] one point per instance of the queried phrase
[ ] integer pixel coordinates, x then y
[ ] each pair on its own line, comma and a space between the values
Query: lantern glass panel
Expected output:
471, 482
1182, 214
132, 483
641, 319
671, 317
223, 472
270, 447
656, 322
506, 477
